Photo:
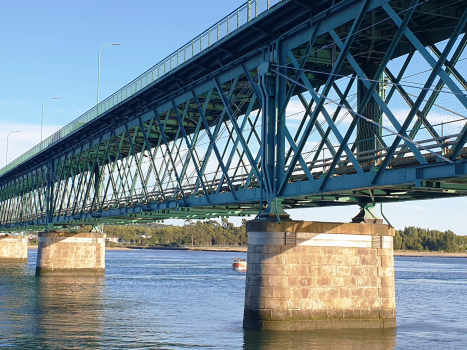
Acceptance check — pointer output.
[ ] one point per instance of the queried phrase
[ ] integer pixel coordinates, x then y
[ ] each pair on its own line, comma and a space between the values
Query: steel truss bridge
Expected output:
282, 104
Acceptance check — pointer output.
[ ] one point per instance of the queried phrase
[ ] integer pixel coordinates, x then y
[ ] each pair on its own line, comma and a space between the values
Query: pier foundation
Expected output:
318, 275
71, 254
13, 249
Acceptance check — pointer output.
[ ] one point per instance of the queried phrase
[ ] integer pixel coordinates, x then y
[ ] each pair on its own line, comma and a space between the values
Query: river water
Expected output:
156, 299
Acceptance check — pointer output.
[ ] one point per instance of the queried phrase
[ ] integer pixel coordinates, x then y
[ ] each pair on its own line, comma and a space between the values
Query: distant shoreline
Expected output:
407, 253
413, 253
204, 249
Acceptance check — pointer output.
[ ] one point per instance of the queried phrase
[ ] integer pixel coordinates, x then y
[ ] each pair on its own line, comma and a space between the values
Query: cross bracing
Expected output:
359, 102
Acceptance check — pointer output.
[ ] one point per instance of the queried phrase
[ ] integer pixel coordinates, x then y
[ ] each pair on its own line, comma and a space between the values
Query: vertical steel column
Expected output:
49, 195
269, 141
281, 96
367, 133
269, 118
97, 174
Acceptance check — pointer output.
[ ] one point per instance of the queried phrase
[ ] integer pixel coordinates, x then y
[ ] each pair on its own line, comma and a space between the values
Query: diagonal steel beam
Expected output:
426, 55
217, 127
252, 84
138, 161
420, 115
235, 144
371, 92
148, 148
213, 144
434, 73
343, 102
190, 149
332, 77
329, 120
229, 139
302, 64
250, 135
300, 127
450, 66
318, 126
187, 154
439, 86
164, 138
102, 178
236, 127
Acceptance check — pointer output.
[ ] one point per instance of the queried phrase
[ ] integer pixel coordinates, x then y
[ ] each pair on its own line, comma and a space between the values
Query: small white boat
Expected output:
239, 264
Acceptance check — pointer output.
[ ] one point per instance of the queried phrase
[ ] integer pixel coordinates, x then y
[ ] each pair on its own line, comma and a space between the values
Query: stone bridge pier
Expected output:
71, 254
13, 249
305, 275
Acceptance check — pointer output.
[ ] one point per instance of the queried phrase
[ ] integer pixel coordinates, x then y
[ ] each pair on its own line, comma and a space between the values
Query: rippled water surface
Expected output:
155, 299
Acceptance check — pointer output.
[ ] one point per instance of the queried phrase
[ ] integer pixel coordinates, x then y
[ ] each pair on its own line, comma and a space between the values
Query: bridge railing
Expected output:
230, 23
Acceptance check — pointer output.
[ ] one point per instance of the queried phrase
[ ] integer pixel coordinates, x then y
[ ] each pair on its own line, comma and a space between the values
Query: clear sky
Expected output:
49, 49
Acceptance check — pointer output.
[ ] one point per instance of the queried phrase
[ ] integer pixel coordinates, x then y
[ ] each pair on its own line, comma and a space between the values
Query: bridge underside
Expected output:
315, 105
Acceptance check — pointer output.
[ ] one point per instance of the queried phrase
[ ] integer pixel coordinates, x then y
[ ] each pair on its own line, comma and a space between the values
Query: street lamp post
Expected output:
6, 158
99, 68
42, 121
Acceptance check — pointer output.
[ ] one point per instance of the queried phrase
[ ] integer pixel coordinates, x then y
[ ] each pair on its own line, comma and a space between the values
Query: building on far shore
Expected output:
112, 239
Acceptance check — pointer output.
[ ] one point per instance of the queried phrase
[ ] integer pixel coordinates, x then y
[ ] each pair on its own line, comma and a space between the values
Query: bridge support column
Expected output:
317, 275
71, 254
13, 249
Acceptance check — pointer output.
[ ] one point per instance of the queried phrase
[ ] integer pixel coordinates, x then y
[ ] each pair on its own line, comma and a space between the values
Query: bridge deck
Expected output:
168, 77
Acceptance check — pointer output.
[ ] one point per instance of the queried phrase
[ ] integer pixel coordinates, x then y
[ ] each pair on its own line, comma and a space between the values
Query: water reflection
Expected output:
10, 272
147, 302
55, 312
351, 339
12, 309
69, 311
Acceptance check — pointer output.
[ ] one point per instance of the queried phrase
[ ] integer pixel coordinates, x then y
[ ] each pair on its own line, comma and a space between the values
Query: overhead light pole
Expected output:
42, 121
99, 67
6, 158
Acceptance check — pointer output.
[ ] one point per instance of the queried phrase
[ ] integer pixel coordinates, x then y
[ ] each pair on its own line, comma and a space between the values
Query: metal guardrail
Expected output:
220, 30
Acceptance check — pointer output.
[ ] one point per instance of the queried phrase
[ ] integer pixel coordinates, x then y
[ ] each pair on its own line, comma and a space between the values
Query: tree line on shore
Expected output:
224, 233
416, 238
199, 233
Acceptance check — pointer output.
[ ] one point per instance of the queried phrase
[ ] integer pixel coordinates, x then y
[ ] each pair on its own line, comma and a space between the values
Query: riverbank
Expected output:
204, 249
409, 253
413, 253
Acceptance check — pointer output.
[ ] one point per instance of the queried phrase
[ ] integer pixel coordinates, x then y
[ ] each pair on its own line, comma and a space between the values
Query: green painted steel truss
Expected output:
322, 114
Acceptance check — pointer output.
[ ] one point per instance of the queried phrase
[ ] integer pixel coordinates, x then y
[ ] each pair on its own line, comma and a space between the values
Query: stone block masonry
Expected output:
13, 249
317, 275
70, 254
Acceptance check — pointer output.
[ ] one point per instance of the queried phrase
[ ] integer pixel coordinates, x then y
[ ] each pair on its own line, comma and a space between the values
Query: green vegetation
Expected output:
201, 234
416, 238
213, 233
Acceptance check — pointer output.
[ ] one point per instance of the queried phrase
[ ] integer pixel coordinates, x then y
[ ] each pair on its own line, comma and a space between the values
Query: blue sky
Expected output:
49, 49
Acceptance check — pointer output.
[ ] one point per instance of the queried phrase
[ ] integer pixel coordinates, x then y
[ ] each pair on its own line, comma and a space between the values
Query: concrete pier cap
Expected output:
304, 275
79, 254
13, 249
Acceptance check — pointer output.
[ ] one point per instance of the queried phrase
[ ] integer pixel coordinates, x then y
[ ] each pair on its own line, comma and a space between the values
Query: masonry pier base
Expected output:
317, 275
13, 249
71, 254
